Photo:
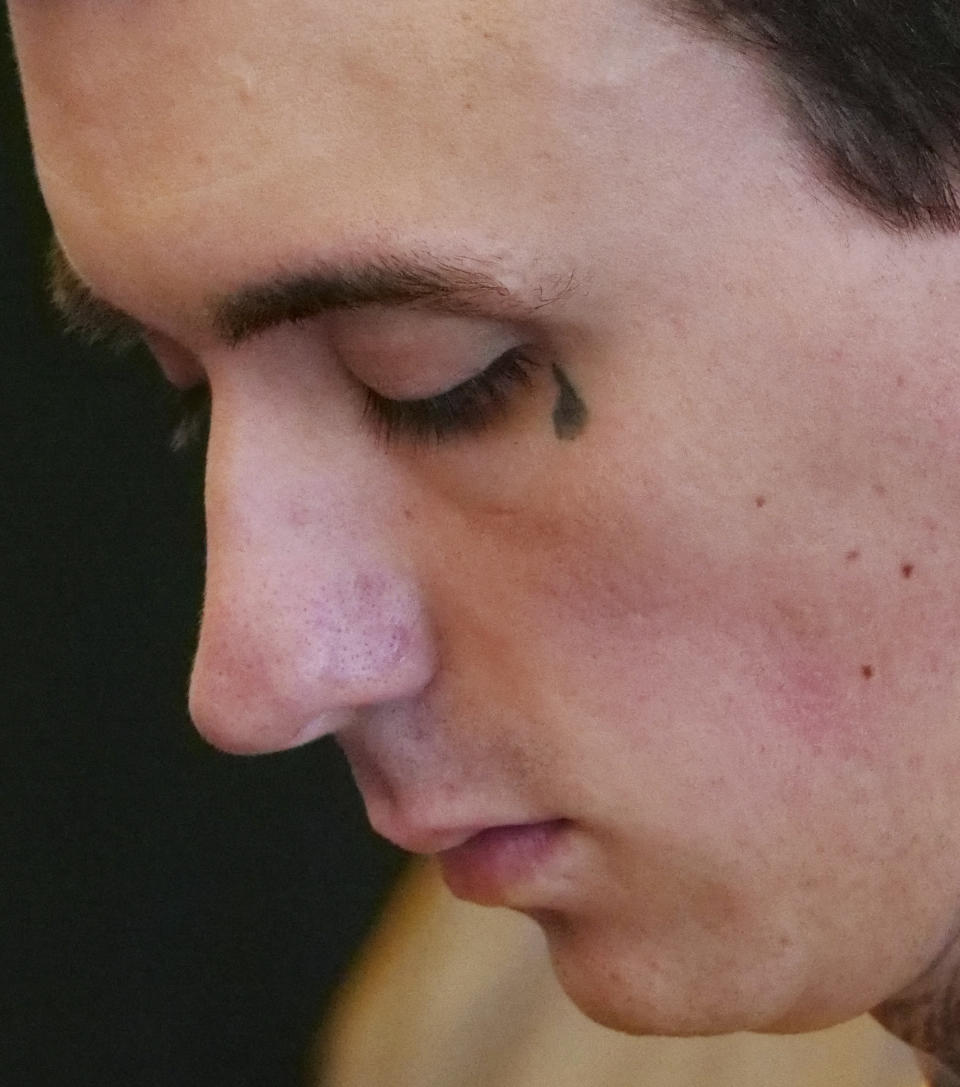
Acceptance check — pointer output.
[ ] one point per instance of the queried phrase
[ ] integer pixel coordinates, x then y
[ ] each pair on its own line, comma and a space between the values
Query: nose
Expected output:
310, 608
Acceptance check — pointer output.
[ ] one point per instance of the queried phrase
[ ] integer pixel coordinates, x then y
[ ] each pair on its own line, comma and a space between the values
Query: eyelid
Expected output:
178, 364
467, 408
405, 355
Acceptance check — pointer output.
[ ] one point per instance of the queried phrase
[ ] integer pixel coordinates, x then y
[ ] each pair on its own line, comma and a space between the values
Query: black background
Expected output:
168, 914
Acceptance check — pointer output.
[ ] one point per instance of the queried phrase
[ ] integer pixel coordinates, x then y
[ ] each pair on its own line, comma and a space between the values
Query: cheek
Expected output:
818, 693
662, 642
670, 618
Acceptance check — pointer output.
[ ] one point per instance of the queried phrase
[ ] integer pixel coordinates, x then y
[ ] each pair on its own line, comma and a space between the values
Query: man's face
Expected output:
683, 614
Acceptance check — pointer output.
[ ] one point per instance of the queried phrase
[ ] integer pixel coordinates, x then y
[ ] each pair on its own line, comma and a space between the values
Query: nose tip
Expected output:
273, 672
243, 711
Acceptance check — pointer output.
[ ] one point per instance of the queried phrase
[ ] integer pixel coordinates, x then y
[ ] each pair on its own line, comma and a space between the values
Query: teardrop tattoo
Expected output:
570, 412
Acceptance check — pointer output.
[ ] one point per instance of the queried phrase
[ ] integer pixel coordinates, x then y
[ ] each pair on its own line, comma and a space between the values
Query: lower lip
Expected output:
493, 867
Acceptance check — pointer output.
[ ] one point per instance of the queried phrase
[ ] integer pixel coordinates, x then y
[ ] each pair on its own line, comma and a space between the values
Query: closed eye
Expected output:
467, 408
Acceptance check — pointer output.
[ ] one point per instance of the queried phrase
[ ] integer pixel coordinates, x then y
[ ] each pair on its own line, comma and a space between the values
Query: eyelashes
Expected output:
467, 408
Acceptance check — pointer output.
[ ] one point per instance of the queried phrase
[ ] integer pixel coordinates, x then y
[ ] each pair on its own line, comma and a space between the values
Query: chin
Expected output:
644, 993
630, 1010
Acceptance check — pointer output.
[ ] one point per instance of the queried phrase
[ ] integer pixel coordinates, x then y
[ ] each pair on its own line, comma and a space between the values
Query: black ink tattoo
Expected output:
570, 412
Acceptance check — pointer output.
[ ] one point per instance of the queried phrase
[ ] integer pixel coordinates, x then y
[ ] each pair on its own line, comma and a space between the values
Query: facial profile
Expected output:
578, 459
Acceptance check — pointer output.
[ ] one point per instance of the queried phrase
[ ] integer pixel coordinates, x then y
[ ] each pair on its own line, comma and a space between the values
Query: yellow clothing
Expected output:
452, 995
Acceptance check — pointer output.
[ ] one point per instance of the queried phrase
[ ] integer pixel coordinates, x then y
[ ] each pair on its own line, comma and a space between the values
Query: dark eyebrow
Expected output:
286, 298
385, 281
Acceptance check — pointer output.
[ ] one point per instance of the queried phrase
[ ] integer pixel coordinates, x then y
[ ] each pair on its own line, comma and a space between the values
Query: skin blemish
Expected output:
570, 412
852, 556
761, 502
907, 570
811, 697
867, 671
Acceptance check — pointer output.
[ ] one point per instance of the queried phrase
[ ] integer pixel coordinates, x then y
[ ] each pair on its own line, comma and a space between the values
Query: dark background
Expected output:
168, 914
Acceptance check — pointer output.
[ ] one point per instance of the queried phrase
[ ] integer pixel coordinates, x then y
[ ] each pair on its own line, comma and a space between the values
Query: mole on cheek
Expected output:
907, 570
570, 412
815, 693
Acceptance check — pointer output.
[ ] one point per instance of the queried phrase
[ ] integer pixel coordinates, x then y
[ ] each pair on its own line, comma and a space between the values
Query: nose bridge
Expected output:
310, 610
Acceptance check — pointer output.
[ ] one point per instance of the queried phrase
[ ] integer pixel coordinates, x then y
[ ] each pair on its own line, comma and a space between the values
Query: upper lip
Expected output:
424, 818
418, 838
434, 837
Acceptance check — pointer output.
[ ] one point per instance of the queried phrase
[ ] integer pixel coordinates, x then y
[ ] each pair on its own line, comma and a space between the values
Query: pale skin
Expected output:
714, 625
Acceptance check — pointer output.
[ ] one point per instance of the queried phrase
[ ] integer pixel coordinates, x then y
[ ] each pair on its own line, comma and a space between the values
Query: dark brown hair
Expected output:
874, 86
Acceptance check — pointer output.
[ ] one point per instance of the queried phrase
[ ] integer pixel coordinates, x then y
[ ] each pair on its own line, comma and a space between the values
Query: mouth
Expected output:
483, 860
497, 865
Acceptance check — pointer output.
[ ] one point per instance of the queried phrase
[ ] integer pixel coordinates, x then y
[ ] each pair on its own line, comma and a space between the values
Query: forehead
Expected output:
217, 91
230, 134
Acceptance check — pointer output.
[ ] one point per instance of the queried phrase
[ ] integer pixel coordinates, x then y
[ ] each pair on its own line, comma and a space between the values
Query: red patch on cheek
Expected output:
816, 697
